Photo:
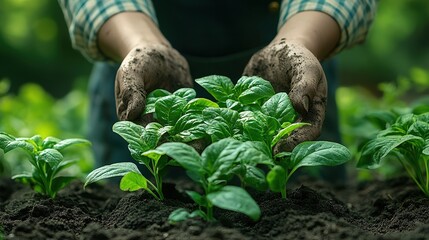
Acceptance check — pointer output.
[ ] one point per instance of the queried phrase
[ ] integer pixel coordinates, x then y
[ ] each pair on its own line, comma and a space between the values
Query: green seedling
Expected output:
142, 142
248, 111
317, 153
211, 170
179, 112
46, 158
407, 141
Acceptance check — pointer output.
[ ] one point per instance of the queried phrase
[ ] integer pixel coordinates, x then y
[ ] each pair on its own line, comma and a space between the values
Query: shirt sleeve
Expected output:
353, 16
84, 19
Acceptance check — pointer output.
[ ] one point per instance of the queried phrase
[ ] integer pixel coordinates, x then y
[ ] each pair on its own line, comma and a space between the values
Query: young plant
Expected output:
180, 112
46, 158
211, 170
311, 153
142, 142
248, 111
407, 141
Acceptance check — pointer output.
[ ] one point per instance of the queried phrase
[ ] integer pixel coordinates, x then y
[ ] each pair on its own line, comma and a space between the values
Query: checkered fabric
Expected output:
85, 18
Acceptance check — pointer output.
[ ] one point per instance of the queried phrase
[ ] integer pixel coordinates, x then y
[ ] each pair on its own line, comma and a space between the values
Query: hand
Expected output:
292, 68
143, 70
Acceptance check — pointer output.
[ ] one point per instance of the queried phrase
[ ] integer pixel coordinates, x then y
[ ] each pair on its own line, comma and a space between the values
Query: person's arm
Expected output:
352, 17
309, 31
316, 31
126, 31
85, 18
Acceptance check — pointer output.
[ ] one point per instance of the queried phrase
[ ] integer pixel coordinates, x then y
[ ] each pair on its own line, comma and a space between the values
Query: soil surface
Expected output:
393, 209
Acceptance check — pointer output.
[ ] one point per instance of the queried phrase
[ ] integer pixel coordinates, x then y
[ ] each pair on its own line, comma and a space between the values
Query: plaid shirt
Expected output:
85, 18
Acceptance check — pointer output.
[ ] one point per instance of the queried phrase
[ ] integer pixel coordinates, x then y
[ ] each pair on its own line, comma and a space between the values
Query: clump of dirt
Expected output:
393, 209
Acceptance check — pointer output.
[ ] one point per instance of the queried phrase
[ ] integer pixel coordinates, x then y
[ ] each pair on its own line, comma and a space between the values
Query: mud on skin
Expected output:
293, 69
144, 70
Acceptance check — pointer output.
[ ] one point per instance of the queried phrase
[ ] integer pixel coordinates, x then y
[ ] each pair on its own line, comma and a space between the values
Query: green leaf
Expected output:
403, 123
189, 127
234, 105
287, 131
184, 154
109, 171
276, 179
253, 126
151, 135
133, 134
220, 87
255, 152
187, 93
197, 105
26, 175
59, 183
49, 142
169, 109
52, 156
218, 157
36, 140
220, 122
381, 118
250, 89
374, 151
132, 182
319, 153
235, 199
419, 128
198, 198
280, 107
261, 147
178, 215
5, 139
64, 164
155, 155
182, 214
255, 178
69, 142
152, 98
23, 144
258, 126
130, 132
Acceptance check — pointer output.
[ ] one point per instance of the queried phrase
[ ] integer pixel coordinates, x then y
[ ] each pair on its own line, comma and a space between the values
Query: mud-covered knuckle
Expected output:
257, 65
272, 64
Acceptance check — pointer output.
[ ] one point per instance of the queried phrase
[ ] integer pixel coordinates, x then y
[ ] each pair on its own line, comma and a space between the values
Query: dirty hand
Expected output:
292, 68
144, 69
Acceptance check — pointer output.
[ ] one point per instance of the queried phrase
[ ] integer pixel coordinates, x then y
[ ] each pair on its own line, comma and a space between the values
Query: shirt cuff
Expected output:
353, 17
90, 15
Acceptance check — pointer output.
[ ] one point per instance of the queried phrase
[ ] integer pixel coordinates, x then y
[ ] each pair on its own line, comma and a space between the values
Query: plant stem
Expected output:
426, 163
210, 212
158, 182
151, 192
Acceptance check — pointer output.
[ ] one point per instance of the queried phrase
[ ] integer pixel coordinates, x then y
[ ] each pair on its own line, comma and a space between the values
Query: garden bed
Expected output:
394, 209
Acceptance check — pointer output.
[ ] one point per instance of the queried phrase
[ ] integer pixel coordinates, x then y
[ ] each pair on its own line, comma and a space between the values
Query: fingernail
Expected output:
305, 103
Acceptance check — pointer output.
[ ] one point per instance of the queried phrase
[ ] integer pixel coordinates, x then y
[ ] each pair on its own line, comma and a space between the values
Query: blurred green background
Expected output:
43, 80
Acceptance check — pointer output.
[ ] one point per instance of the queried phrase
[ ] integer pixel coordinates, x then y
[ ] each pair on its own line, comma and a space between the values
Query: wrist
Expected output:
126, 31
316, 31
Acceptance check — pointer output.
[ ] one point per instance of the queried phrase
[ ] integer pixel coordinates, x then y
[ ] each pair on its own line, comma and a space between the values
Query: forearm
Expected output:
126, 30
317, 31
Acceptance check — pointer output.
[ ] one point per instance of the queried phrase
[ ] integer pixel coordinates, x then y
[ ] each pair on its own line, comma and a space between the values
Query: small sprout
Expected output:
211, 170
46, 158
407, 141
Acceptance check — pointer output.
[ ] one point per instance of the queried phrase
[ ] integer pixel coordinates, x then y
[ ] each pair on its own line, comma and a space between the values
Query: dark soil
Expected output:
393, 209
